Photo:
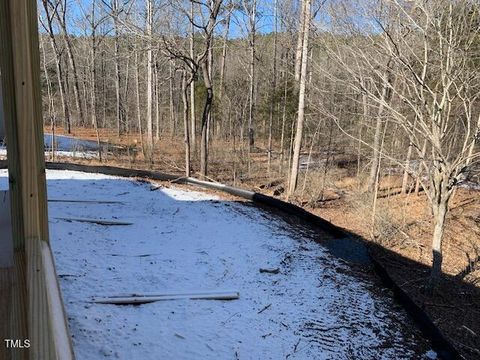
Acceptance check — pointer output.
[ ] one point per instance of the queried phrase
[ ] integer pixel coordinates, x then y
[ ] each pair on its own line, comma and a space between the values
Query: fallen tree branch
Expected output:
87, 201
96, 221
264, 308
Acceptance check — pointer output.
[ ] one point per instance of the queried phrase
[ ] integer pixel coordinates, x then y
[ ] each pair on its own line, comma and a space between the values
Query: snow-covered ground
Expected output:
317, 307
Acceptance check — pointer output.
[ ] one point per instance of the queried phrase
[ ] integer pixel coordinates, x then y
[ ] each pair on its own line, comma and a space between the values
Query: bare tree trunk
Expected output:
211, 118
420, 168
51, 105
251, 104
137, 97
406, 172
171, 100
149, 6
205, 118
441, 193
93, 75
116, 45
385, 97
300, 37
60, 14
364, 118
157, 103
58, 63
103, 76
301, 102
274, 87
125, 108
192, 84
284, 116
224, 57
185, 122
376, 186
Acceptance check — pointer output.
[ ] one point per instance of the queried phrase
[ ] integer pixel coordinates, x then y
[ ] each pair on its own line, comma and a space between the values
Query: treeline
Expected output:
388, 83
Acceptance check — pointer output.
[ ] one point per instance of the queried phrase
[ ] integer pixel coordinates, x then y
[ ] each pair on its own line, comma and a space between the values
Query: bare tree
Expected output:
431, 46
301, 100
48, 25
250, 8
60, 11
206, 23
149, 95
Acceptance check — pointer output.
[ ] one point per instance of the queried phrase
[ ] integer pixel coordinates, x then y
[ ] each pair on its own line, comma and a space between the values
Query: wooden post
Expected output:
20, 67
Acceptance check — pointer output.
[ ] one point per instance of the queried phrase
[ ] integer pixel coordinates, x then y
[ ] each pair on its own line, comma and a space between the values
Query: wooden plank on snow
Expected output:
137, 299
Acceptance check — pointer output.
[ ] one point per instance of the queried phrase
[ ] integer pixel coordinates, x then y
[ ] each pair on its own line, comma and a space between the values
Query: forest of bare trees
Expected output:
278, 89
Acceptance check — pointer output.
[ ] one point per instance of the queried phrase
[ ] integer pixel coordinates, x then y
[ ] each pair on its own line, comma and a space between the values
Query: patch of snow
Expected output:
317, 307
66, 147
69, 143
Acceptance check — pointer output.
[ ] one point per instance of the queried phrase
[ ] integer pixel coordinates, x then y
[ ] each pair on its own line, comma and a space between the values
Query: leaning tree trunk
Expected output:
71, 58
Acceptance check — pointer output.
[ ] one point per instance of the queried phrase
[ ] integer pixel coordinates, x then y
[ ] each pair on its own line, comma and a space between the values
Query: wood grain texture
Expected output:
20, 65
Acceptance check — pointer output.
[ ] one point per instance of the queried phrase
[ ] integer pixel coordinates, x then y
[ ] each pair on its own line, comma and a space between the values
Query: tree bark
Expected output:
385, 98
192, 84
93, 75
274, 87
149, 6
301, 101
440, 199
171, 99
185, 122
300, 37
224, 57
205, 118
116, 45
137, 98
251, 101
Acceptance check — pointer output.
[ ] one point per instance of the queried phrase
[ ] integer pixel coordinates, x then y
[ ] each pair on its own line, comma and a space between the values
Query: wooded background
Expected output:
284, 88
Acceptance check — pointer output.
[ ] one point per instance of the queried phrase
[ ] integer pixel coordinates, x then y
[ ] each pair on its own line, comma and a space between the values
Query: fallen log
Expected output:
137, 299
